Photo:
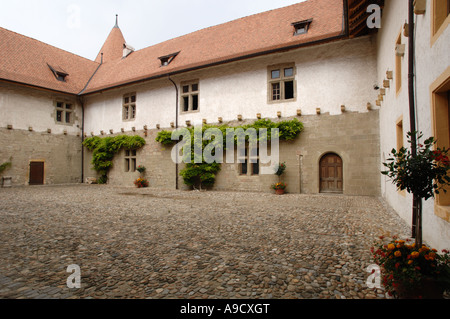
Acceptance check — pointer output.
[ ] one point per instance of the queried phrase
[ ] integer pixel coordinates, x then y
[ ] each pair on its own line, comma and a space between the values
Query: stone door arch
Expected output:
331, 174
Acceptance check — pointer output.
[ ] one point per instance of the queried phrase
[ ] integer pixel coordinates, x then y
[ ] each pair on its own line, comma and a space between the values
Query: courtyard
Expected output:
149, 243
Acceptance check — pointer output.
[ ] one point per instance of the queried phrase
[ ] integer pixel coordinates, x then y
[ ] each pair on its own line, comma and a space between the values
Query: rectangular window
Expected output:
440, 122
254, 160
282, 83
301, 27
130, 161
249, 163
242, 160
440, 11
289, 90
190, 92
129, 107
64, 113
276, 92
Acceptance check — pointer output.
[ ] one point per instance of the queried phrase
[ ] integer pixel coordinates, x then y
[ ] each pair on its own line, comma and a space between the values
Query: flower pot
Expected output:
427, 289
279, 191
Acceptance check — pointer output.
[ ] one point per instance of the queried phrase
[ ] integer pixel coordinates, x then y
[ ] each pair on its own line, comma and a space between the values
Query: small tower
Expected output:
113, 47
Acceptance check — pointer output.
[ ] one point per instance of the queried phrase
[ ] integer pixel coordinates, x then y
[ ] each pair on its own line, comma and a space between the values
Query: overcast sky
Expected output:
82, 26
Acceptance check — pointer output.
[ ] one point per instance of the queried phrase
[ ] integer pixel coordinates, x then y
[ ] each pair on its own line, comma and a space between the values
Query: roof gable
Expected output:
26, 60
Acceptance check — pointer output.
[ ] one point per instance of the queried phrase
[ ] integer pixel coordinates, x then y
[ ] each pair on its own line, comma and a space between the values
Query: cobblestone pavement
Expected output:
148, 243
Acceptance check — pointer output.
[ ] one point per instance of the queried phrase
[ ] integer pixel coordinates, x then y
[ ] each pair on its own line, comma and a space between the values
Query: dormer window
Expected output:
59, 73
167, 59
301, 27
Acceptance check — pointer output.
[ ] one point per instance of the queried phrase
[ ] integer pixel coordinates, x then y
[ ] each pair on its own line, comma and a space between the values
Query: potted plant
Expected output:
422, 171
279, 188
412, 272
141, 182
141, 169
279, 170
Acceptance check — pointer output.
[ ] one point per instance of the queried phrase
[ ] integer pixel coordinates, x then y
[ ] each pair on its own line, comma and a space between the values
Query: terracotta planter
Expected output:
428, 289
279, 191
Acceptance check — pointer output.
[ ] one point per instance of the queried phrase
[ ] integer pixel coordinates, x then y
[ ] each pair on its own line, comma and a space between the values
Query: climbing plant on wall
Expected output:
104, 149
4, 166
204, 174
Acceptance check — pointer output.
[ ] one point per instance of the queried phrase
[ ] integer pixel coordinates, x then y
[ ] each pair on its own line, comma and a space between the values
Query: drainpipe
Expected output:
81, 100
417, 202
176, 127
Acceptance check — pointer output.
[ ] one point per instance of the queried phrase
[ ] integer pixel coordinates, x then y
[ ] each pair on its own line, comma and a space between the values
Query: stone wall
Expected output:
353, 136
61, 155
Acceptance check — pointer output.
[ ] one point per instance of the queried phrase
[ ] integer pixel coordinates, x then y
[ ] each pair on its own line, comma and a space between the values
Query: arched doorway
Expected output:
331, 174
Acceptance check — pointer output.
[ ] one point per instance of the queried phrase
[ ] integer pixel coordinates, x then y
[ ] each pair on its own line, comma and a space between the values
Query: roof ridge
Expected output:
228, 22
52, 46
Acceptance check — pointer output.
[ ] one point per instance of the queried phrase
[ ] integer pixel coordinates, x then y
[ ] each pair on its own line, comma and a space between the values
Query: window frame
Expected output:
281, 82
439, 23
440, 123
301, 27
190, 95
67, 109
130, 163
129, 109
247, 167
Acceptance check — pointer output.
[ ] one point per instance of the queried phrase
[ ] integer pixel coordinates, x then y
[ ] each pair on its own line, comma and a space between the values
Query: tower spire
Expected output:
117, 21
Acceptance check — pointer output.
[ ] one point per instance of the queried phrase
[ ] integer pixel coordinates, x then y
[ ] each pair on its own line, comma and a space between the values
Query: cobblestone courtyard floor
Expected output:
148, 243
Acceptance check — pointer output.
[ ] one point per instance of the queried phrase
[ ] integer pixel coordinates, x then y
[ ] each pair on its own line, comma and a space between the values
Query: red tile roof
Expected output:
113, 47
26, 59
243, 37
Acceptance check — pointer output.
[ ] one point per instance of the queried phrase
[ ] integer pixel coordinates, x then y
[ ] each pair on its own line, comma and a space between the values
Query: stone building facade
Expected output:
316, 61
431, 87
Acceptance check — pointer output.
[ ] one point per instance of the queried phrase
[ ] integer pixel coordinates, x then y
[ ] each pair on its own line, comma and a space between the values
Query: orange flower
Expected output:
397, 253
415, 254
391, 246
430, 256
410, 262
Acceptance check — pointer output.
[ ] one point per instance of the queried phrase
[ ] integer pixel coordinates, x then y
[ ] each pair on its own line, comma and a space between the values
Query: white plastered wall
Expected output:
26, 108
431, 61
328, 76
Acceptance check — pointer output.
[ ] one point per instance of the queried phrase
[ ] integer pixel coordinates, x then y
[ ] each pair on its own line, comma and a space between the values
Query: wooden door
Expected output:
36, 173
331, 174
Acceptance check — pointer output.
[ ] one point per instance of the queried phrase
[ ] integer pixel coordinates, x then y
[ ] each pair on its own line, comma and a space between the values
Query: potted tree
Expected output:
280, 187
423, 174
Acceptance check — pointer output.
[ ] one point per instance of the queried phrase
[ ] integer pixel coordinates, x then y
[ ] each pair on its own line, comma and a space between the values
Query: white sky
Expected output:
82, 26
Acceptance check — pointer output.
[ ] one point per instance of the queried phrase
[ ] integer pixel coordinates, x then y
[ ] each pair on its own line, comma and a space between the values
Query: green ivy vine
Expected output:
204, 174
104, 149
4, 166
